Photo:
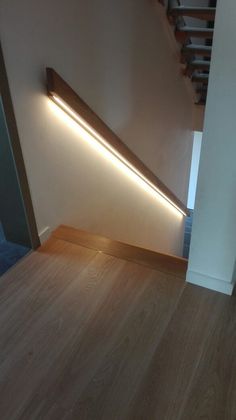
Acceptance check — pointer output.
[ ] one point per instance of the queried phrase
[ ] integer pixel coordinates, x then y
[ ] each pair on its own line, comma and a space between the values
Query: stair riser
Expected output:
197, 65
190, 70
203, 16
197, 80
182, 36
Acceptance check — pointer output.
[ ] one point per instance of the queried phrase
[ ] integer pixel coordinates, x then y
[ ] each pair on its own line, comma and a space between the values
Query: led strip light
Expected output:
108, 147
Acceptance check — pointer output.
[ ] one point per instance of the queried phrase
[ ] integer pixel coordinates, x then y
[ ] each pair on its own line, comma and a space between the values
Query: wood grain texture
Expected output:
57, 86
212, 393
155, 260
89, 336
176, 360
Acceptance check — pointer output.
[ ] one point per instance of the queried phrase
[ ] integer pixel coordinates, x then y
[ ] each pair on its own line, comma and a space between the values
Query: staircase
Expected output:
194, 29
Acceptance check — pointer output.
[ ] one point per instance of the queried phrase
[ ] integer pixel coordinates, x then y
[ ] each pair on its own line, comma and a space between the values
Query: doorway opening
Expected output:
18, 231
197, 144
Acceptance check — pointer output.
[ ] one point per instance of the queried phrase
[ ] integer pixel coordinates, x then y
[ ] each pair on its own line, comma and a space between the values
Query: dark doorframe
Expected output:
17, 154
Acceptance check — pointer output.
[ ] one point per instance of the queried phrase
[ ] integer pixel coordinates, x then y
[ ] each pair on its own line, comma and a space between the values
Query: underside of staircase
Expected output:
193, 26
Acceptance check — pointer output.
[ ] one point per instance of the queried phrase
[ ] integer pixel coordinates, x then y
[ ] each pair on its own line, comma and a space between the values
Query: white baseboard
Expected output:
208, 282
44, 234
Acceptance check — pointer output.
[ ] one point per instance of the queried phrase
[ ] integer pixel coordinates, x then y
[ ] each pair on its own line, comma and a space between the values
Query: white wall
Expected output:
213, 245
121, 59
197, 143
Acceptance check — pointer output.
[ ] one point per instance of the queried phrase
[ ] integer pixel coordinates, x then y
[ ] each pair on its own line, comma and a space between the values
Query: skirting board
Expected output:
44, 234
208, 282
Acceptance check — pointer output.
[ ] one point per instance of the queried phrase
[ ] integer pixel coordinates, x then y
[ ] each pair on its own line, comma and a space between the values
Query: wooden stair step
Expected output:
201, 102
184, 33
197, 65
204, 13
202, 90
196, 50
154, 260
200, 64
200, 78
202, 94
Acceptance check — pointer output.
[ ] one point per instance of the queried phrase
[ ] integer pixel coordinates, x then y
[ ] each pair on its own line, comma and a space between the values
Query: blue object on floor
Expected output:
2, 237
9, 255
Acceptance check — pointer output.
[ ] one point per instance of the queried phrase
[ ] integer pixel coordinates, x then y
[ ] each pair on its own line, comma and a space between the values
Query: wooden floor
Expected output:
87, 336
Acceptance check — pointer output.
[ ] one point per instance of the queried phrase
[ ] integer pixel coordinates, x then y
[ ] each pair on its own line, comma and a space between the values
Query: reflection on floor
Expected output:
9, 253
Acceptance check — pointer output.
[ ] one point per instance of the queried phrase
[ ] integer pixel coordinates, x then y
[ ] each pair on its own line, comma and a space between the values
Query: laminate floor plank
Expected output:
30, 359
138, 299
213, 390
176, 359
22, 303
39, 268
86, 335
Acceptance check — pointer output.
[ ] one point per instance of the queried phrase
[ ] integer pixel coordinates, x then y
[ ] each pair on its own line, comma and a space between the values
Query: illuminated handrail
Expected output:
68, 100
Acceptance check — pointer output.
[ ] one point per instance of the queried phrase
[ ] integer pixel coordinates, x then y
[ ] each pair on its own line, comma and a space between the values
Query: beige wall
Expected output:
121, 58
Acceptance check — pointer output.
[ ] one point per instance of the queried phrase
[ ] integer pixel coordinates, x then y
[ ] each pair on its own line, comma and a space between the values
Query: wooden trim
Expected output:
58, 87
17, 153
154, 260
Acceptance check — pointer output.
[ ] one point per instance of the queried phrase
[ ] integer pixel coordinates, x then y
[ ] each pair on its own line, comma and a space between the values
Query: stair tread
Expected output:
200, 63
202, 13
196, 50
197, 47
201, 102
193, 8
194, 29
201, 75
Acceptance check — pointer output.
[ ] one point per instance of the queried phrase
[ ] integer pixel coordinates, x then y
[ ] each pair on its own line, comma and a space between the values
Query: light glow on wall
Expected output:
103, 147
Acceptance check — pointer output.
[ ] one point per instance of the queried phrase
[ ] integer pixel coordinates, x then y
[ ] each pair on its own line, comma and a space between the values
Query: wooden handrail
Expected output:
58, 88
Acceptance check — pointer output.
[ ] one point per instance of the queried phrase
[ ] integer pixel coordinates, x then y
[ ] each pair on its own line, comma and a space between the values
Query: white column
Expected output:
213, 245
